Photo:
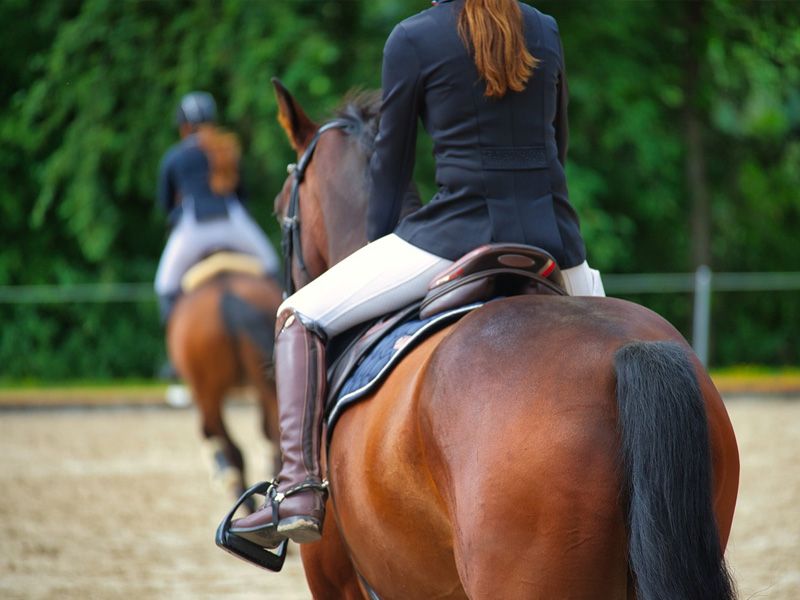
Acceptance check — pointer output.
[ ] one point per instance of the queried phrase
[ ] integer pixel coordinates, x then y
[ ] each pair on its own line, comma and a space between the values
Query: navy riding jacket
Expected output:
184, 173
499, 162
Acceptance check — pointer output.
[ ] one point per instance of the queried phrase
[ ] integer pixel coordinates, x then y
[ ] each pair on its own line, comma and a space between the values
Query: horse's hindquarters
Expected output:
520, 423
486, 466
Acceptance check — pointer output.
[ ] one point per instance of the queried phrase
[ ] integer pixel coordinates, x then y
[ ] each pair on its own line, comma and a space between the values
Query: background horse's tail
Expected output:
674, 547
246, 324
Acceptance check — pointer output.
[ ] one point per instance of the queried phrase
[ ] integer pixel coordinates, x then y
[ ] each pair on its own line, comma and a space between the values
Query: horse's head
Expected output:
323, 202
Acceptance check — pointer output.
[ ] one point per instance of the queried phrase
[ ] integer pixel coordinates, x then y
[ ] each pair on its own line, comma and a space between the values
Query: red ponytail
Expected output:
493, 31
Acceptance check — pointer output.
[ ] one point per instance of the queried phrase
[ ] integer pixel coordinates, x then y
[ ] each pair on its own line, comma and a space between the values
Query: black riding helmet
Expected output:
196, 108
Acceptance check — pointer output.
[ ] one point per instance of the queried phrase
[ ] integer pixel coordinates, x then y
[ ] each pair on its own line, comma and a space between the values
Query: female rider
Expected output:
200, 190
487, 79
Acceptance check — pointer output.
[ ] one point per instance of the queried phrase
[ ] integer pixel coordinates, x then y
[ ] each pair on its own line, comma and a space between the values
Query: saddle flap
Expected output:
493, 270
360, 342
385, 347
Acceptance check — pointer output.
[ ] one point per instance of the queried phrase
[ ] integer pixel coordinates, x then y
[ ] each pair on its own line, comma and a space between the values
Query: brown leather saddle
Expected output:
494, 270
488, 272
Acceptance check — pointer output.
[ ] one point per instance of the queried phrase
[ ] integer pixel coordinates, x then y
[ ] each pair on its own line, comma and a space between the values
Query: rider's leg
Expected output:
583, 281
300, 383
383, 276
177, 257
166, 302
179, 254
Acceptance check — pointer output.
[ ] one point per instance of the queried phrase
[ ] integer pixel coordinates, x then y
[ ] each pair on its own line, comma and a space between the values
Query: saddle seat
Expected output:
493, 270
362, 357
220, 262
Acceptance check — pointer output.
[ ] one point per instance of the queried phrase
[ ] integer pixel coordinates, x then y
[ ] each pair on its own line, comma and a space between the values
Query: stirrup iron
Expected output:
245, 549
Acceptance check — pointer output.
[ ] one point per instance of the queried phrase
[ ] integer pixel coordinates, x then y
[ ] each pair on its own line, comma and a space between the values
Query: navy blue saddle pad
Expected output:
379, 362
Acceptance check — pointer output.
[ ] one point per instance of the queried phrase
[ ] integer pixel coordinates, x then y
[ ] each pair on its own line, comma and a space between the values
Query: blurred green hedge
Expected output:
685, 148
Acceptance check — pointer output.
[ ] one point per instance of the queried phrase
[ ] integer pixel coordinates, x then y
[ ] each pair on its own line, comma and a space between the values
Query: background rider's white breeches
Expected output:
192, 239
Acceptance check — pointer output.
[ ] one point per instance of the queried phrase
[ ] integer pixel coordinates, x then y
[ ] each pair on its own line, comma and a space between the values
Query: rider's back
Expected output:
187, 170
502, 156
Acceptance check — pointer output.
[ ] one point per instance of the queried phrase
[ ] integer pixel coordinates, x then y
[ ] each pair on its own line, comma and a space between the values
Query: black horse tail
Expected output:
674, 549
246, 322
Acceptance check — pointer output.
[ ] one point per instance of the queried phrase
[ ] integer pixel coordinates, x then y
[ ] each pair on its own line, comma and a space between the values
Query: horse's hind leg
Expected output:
260, 377
224, 457
269, 425
562, 537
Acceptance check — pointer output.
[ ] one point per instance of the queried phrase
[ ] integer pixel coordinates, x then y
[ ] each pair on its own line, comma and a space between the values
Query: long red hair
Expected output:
223, 152
492, 29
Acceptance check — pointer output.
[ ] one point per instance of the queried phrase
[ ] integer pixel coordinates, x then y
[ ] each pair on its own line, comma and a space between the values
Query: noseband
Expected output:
290, 228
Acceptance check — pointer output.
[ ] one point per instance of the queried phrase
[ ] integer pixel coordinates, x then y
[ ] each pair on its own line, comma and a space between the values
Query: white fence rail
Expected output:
702, 283
76, 293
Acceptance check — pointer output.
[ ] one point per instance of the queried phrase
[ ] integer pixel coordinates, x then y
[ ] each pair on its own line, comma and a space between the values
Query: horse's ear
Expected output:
298, 127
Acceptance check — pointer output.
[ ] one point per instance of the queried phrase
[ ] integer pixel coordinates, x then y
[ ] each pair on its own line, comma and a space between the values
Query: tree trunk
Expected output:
696, 174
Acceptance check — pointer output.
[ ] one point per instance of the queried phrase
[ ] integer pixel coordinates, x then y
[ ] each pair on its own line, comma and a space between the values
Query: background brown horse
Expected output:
541, 447
220, 336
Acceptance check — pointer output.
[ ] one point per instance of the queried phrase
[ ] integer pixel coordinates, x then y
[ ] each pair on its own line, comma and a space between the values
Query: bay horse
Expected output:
540, 447
219, 337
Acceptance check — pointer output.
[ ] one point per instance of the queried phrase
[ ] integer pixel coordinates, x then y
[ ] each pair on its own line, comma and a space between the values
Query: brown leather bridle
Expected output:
291, 243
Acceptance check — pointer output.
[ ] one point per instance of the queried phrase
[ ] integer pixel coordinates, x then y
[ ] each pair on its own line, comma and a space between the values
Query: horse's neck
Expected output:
345, 218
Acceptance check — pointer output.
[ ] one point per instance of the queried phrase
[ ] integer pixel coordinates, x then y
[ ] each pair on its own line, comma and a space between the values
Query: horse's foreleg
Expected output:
329, 572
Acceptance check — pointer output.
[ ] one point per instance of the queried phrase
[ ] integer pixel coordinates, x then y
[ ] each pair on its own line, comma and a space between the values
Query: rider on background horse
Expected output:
200, 189
497, 116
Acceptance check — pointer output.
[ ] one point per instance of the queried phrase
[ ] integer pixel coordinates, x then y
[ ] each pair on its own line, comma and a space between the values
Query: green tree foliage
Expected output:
89, 90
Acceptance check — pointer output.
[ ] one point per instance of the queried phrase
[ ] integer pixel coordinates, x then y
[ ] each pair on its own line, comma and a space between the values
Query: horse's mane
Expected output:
362, 109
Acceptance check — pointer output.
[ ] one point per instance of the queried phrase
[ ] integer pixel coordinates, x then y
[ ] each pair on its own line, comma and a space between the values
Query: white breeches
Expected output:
583, 281
384, 276
191, 240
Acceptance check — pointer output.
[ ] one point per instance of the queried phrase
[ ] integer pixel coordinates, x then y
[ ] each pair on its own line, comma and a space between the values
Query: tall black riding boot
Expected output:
296, 507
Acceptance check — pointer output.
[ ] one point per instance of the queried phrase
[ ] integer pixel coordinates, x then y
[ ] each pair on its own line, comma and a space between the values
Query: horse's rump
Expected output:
209, 322
504, 452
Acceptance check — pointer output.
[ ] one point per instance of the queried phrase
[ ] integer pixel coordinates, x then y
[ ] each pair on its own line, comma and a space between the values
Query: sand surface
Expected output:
118, 504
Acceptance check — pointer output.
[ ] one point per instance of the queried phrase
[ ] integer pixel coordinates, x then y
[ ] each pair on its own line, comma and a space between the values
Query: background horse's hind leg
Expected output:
260, 375
224, 457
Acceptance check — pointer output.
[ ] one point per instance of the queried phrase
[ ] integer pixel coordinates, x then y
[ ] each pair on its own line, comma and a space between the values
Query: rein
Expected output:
290, 228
